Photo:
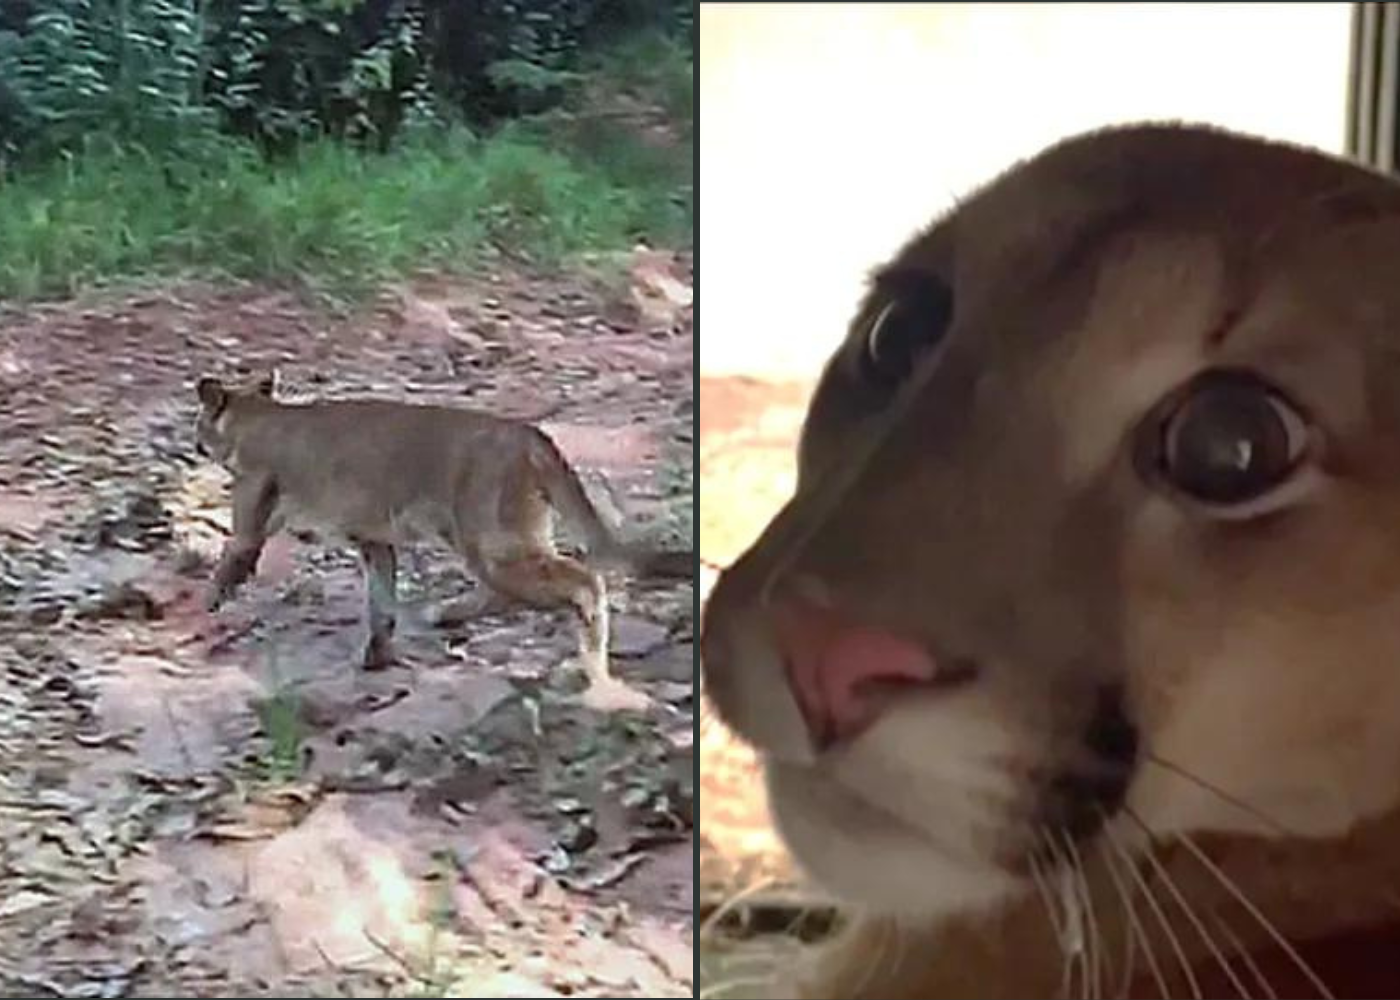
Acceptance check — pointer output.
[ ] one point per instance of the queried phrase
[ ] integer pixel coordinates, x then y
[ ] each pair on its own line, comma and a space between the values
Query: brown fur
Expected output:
991, 508
385, 474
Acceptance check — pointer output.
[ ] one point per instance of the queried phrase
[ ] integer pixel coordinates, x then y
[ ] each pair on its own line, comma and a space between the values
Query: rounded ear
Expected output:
211, 392
266, 384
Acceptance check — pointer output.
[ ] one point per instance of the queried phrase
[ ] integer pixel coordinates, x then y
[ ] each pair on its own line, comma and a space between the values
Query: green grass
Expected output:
336, 218
282, 757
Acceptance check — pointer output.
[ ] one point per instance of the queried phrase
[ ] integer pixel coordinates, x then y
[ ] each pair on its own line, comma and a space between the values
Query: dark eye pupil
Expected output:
1228, 443
914, 318
894, 343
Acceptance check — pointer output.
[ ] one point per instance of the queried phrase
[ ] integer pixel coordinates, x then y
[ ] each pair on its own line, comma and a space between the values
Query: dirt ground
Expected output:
222, 805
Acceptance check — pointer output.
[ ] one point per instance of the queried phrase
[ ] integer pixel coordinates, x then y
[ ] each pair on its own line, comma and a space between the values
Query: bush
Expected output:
284, 72
72, 68
333, 218
335, 141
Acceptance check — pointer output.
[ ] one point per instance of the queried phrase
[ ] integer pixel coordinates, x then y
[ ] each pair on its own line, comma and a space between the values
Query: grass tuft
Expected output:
336, 218
611, 168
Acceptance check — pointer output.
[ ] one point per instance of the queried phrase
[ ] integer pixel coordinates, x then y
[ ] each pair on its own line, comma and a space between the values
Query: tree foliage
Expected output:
281, 72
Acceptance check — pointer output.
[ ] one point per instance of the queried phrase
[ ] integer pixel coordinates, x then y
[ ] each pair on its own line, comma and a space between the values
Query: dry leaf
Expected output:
265, 813
23, 901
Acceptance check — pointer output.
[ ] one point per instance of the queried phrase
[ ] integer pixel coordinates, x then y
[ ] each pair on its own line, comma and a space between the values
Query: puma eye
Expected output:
1230, 440
912, 320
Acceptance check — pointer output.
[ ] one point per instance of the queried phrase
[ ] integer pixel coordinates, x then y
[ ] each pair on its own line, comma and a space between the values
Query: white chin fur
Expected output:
865, 857
903, 820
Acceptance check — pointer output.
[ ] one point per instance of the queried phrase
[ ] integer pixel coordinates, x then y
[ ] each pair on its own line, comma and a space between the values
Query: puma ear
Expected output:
211, 392
266, 384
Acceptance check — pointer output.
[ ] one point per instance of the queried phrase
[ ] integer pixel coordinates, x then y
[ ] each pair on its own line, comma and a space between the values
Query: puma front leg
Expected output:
254, 500
381, 601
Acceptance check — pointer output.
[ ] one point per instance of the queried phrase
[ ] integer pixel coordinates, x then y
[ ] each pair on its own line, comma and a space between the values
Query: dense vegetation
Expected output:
335, 140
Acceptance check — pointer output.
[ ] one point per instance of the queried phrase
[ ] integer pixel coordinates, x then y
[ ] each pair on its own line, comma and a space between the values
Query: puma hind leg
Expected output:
518, 561
545, 579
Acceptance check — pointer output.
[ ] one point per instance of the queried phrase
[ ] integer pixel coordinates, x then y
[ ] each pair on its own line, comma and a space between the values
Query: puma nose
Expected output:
844, 673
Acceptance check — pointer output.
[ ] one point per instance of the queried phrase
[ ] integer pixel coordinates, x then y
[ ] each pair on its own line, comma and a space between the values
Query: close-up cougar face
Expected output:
1096, 537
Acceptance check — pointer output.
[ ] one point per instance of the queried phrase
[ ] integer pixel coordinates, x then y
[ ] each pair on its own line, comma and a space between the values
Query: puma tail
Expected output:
565, 491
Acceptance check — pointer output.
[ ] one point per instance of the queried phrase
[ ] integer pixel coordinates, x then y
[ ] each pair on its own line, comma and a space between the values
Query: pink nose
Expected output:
843, 673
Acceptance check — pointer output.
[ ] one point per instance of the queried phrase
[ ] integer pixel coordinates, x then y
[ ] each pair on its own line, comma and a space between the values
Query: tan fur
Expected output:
385, 474
991, 508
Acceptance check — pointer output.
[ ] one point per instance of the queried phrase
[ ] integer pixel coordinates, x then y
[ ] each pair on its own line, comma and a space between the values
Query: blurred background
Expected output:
832, 131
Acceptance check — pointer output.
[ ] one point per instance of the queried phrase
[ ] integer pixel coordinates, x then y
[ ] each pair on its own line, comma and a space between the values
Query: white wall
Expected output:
830, 132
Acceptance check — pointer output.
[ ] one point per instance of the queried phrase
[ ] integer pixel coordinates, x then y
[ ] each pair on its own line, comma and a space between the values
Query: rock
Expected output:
45, 613
497, 649
321, 711
30, 647
191, 560
121, 600
579, 836
678, 693
466, 783
633, 636
674, 663
388, 749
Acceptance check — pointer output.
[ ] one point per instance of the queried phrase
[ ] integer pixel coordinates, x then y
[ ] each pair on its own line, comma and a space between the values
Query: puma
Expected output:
1074, 659
387, 474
